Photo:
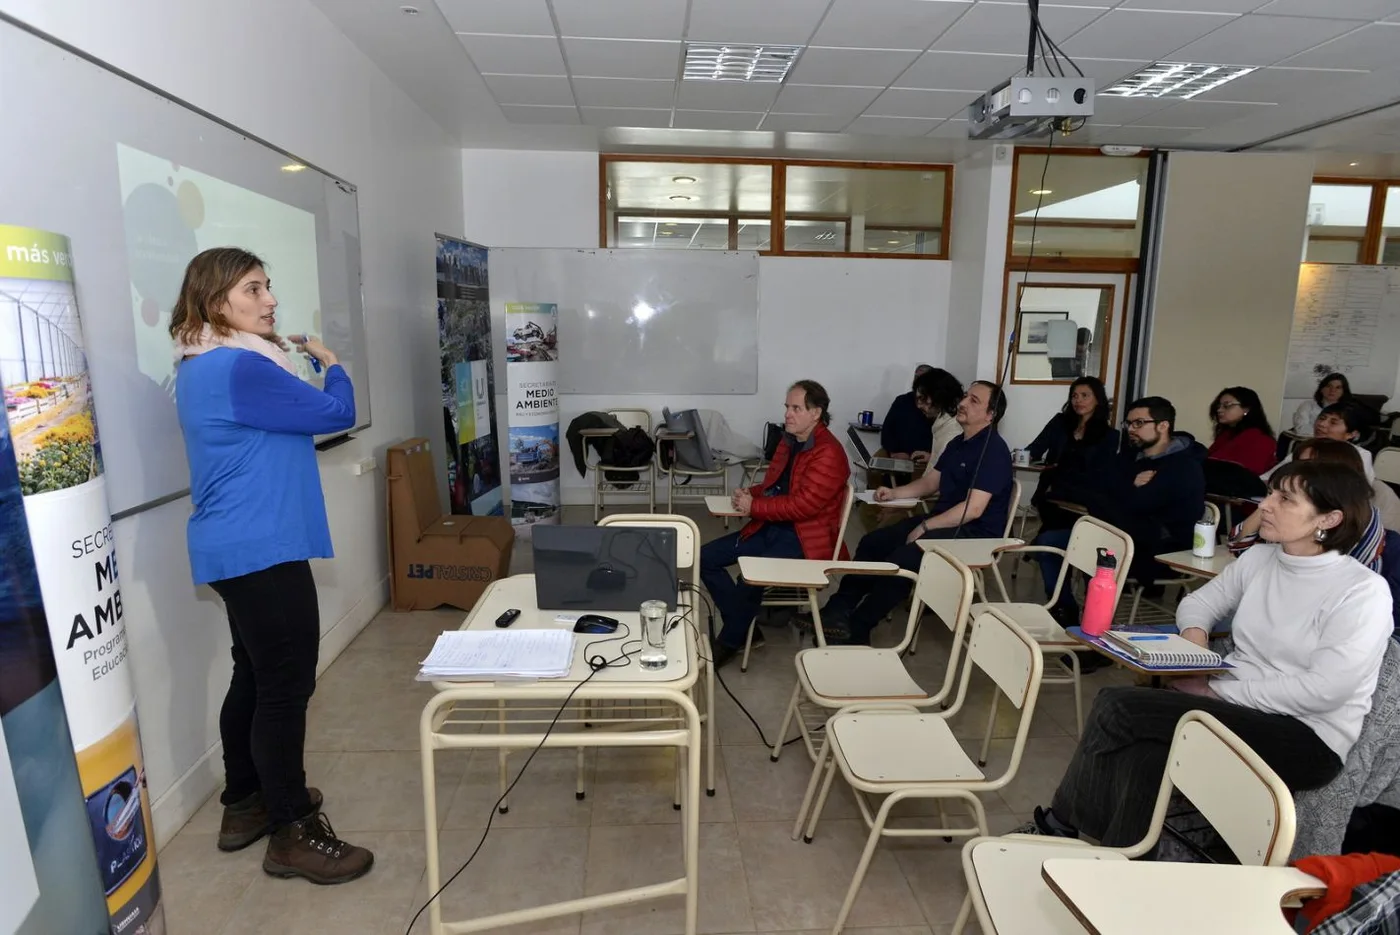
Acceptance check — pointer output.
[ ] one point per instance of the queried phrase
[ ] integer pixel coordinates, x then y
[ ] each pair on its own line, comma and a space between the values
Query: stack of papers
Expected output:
534, 654
868, 496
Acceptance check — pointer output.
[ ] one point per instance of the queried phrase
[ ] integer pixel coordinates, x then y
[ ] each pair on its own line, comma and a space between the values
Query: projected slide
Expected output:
171, 212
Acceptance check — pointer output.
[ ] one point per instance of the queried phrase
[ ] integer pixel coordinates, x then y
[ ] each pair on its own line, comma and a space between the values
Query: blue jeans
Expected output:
736, 601
1050, 567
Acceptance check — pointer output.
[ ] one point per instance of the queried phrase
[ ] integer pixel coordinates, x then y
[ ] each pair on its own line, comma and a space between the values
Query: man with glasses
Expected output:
1155, 492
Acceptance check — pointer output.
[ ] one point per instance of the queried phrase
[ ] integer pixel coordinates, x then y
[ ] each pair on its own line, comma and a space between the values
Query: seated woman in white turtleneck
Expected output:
1310, 628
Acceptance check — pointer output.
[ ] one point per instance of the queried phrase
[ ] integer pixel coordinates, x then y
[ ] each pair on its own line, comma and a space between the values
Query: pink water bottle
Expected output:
1099, 597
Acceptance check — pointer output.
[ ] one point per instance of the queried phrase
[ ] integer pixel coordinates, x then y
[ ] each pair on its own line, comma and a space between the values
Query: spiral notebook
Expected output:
1162, 649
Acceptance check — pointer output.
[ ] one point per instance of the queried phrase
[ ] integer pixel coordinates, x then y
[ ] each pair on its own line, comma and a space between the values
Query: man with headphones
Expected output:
973, 481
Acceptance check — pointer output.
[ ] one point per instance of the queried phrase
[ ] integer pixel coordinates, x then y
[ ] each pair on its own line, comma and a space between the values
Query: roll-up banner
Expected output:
532, 354
53, 434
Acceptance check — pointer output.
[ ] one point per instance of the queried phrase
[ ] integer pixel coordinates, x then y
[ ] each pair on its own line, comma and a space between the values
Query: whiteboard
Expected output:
1346, 319
640, 321
140, 182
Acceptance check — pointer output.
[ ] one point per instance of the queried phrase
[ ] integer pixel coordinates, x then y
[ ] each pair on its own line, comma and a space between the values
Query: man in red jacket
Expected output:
794, 513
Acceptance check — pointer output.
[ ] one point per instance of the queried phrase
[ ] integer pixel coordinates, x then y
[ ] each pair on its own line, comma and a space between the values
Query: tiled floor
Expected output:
362, 751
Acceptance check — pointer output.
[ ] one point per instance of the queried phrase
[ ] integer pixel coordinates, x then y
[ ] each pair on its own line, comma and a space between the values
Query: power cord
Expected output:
596, 663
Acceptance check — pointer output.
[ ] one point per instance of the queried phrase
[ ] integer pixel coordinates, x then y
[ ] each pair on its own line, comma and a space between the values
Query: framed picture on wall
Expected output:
1033, 331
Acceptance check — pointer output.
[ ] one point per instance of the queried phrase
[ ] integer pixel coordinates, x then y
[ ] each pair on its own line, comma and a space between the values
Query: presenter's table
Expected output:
626, 706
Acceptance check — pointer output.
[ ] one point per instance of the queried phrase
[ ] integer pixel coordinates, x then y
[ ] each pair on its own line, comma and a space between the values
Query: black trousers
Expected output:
1111, 785
276, 625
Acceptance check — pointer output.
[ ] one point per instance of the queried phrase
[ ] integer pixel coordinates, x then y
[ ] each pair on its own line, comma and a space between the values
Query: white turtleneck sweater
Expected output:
1309, 635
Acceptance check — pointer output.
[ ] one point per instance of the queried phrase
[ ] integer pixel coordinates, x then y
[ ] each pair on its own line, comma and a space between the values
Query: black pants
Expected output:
1111, 785
276, 626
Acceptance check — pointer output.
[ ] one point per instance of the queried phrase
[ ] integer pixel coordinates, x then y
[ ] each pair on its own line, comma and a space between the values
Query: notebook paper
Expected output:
868, 496
522, 653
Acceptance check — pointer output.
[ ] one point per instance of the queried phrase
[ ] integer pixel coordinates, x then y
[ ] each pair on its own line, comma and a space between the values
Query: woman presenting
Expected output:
259, 517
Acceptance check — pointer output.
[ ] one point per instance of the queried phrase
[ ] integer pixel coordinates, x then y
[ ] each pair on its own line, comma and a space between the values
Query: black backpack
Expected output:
631, 447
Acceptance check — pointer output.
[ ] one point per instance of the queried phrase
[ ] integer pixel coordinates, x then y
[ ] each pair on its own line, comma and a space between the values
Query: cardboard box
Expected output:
437, 558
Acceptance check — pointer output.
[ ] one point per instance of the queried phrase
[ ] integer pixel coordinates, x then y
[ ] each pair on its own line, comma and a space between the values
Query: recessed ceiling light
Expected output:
681, 198
1353, 164
294, 167
1176, 79
1042, 191
892, 242
714, 61
683, 179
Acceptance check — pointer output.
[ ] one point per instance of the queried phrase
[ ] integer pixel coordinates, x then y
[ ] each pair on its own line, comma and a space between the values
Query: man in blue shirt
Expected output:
906, 429
973, 481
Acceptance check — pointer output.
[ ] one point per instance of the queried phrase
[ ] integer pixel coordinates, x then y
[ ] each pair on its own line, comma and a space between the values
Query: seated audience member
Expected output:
1367, 550
1242, 431
1310, 628
1154, 491
1343, 422
973, 481
937, 393
1075, 443
1331, 389
906, 429
794, 513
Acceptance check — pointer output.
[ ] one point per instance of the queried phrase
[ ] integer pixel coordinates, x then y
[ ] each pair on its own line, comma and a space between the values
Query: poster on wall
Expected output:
53, 434
532, 334
468, 379
49, 878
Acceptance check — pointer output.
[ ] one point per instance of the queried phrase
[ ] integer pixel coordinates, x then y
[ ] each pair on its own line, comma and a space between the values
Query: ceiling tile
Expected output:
1003, 27
1195, 6
892, 126
512, 17
888, 24
1196, 113
1368, 47
726, 95
717, 120
1165, 137
1280, 85
960, 71
903, 102
1110, 109
866, 67
804, 123
1139, 34
1107, 71
514, 55
954, 129
520, 113
625, 117
531, 89
778, 21
624, 92
1363, 10
621, 19
824, 99
1262, 40
622, 58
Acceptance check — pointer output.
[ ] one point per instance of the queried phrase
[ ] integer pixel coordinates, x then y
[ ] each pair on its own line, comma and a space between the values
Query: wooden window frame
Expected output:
1370, 252
1009, 378
778, 214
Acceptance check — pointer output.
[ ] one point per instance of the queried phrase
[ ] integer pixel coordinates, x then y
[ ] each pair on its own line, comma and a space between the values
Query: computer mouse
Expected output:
595, 623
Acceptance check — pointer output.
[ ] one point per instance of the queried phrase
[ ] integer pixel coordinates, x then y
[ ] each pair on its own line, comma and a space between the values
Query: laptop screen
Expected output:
604, 568
859, 443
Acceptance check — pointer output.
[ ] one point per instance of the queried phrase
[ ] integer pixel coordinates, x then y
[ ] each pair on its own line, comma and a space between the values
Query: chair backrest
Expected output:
1232, 787
1085, 539
1012, 659
1213, 514
687, 535
846, 502
632, 418
1387, 465
1011, 507
945, 587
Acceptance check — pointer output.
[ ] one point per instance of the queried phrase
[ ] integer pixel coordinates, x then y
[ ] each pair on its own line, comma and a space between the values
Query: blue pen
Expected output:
1142, 639
315, 364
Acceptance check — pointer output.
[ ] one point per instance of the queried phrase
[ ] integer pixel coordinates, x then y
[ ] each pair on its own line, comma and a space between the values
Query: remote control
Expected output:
507, 618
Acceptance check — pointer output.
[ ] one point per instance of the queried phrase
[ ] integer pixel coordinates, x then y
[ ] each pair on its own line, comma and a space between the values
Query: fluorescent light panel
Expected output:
1182, 80
712, 61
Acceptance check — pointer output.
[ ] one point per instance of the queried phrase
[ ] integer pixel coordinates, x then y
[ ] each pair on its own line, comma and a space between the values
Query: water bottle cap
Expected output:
1107, 559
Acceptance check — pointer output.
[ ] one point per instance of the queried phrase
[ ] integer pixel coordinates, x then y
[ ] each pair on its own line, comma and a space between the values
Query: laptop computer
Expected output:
893, 465
603, 568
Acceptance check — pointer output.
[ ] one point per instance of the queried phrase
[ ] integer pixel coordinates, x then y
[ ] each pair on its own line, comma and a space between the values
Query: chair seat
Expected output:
1017, 898
1035, 619
844, 675
877, 749
617, 467
683, 471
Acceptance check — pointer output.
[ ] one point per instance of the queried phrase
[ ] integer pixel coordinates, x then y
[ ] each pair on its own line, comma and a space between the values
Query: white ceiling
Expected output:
877, 78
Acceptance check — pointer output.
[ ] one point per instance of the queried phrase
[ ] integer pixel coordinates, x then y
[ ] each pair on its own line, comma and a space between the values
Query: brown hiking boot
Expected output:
247, 821
310, 849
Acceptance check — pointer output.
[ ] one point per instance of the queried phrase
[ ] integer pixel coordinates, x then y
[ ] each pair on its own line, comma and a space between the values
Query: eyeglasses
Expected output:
1139, 423
1230, 405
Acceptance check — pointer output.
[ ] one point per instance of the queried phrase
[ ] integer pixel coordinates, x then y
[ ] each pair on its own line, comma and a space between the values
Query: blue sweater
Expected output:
249, 431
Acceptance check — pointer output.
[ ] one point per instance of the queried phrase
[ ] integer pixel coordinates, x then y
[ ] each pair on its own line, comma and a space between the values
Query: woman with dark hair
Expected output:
937, 394
1077, 441
1242, 431
1331, 389
1343, 422
1310, 625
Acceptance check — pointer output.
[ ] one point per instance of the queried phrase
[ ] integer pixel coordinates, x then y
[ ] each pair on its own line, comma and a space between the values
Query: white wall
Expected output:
858, 326
278, 69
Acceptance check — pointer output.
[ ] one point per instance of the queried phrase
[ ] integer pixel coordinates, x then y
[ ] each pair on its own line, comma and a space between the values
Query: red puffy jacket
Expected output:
815, 498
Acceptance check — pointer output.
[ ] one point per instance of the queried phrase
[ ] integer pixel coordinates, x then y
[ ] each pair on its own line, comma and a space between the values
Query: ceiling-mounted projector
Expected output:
1029, 107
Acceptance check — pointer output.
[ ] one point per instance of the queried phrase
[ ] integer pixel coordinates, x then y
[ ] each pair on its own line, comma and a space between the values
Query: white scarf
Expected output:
238, 340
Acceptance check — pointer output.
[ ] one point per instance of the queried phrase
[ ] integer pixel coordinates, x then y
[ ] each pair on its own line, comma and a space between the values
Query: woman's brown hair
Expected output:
1330, 451
1330, 487
208, 280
